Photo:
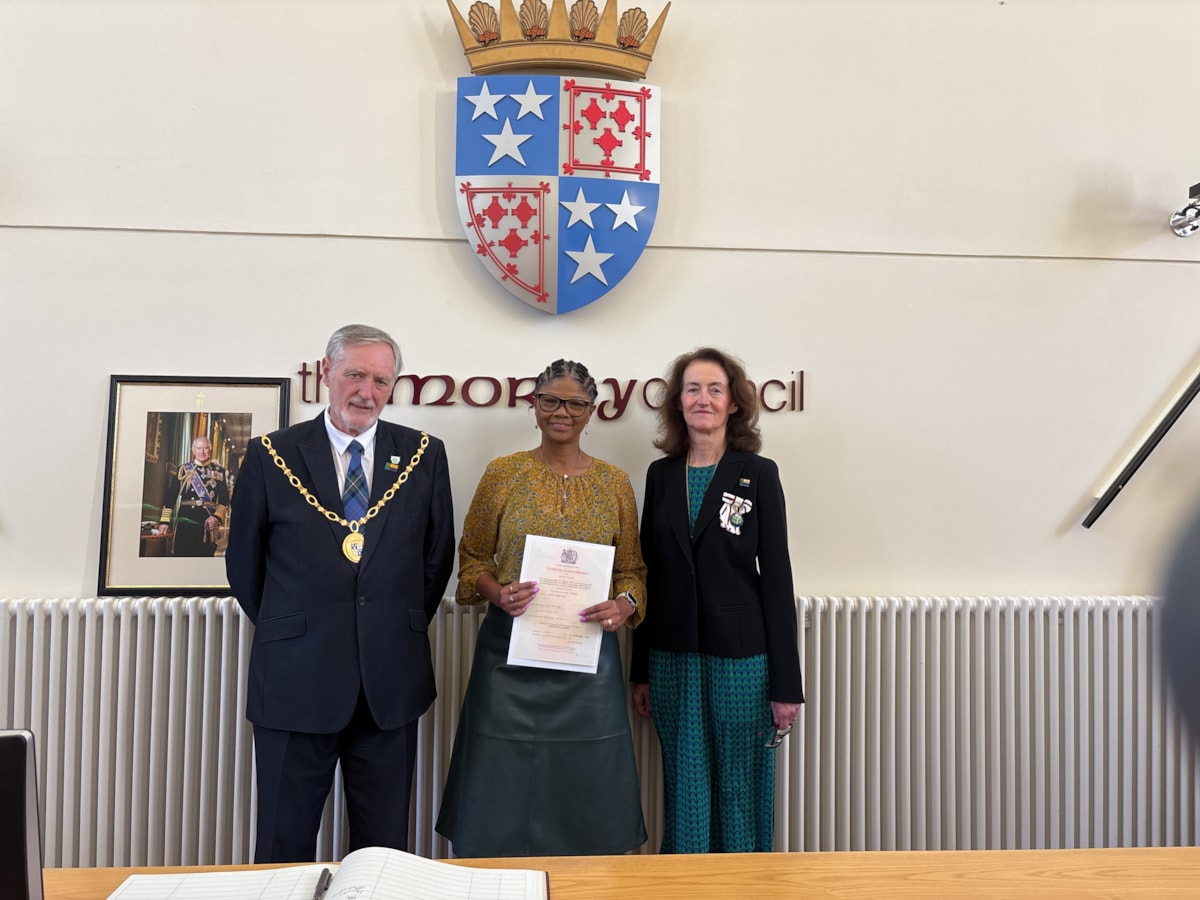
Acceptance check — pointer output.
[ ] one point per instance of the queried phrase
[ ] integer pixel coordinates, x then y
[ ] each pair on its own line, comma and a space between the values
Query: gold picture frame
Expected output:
158, 537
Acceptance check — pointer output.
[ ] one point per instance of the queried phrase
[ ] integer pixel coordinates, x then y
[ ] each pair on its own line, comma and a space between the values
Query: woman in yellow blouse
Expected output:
543, 759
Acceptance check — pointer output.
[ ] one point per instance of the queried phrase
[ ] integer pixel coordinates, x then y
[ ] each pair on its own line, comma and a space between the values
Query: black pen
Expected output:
322, 884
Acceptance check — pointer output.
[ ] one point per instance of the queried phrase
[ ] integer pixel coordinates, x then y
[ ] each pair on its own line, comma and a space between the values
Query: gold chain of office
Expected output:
332, 516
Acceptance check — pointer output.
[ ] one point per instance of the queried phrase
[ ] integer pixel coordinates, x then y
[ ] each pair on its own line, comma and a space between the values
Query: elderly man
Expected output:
199, 503
341, 543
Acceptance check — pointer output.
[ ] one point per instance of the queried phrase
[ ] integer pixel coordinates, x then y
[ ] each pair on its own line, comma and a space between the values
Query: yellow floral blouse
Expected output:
520, 495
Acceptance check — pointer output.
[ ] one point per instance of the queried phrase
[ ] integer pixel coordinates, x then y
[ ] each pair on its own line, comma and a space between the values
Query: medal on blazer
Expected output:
354, 543
734, 510
352, 546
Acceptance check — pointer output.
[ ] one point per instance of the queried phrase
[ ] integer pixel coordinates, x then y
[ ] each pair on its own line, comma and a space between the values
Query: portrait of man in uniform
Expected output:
187, 503
200, 506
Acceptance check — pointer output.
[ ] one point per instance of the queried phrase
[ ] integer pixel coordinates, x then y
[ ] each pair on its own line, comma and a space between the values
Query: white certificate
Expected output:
570, 576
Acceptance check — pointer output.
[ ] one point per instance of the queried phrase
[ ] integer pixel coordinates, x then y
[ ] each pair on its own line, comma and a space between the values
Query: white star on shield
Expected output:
589, 261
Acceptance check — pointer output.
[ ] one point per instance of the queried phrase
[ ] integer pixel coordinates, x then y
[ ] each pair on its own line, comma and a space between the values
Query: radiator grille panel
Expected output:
977, 723
945, 723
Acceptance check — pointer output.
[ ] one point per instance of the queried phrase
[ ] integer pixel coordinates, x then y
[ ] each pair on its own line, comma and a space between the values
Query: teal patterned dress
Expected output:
713, 717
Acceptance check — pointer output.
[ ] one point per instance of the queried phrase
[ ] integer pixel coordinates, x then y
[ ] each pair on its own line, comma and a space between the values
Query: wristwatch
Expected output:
633, 604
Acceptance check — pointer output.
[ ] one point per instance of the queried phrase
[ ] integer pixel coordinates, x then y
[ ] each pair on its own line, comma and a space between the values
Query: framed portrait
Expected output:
175, 446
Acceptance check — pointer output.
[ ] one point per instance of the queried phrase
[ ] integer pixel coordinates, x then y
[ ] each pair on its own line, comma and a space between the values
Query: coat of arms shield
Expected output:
557, 181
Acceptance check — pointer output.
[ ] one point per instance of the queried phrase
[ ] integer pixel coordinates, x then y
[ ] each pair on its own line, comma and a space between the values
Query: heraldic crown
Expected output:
541, 38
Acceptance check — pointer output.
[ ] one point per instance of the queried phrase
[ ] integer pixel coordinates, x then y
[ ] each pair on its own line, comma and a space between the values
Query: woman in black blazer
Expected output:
715, 661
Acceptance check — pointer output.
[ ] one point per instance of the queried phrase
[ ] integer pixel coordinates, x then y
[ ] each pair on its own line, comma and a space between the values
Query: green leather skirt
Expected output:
543, 760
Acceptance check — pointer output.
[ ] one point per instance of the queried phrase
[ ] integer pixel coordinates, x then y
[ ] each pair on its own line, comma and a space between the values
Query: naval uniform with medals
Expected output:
202, 492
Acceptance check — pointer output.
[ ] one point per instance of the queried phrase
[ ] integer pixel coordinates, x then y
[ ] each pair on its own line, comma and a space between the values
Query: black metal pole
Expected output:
1143, 451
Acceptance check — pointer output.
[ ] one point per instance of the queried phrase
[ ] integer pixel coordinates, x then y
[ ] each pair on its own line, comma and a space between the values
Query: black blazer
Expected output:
326, 626
727, 590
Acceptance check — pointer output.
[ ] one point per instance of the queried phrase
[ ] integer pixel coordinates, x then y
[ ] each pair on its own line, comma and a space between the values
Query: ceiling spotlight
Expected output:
1187, 220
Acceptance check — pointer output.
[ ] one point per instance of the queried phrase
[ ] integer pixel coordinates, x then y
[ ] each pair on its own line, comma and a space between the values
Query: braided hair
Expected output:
568, 368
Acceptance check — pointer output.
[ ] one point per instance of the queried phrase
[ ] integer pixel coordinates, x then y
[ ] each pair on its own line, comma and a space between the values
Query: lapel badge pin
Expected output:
743, 482
393, 464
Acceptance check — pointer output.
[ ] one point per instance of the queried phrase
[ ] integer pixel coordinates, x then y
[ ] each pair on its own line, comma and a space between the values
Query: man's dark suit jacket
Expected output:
718, 592
326, 626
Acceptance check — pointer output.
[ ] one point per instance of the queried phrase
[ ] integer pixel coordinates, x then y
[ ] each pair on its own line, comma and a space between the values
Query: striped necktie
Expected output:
354, 497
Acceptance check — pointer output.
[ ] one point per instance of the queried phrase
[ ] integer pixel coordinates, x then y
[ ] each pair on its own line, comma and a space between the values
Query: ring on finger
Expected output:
609, 623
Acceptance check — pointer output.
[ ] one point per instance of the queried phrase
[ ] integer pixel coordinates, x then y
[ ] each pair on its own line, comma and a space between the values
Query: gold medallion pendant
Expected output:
352, 546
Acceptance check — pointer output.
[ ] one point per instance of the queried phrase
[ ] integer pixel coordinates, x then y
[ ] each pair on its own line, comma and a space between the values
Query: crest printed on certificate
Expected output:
571, 576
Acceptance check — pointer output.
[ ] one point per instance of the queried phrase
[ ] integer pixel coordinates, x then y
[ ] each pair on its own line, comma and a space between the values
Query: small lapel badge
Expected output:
392, 464
743, 482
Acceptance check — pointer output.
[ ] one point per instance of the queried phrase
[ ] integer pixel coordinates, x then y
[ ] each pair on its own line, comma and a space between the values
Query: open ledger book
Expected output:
372, 873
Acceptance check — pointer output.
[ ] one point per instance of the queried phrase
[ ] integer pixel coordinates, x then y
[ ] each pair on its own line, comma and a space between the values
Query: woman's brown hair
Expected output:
741, 429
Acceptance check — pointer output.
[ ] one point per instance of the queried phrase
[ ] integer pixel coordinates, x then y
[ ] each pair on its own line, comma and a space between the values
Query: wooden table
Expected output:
930, 875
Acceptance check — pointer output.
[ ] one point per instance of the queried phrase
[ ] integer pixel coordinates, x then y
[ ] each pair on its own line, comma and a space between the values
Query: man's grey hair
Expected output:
350, 335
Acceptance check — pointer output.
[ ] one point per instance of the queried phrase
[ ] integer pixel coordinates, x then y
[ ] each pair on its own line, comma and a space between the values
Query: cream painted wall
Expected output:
950, 213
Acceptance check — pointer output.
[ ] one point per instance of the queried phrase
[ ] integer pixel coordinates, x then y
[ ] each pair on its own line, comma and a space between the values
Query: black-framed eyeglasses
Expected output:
776, 738
548, 403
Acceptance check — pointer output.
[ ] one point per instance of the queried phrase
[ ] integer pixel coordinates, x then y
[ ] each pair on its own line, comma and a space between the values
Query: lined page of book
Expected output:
290, 883
375, 873
372, 873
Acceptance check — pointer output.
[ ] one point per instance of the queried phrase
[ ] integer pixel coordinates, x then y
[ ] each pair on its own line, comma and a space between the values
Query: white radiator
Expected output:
973, 723
136, 706
930, 724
